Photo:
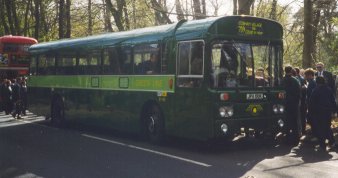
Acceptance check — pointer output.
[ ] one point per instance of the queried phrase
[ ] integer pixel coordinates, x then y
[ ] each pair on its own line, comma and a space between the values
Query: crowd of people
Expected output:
310, 99
13, 95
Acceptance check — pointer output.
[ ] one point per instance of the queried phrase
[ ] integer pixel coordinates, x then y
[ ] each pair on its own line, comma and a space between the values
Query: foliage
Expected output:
40, 19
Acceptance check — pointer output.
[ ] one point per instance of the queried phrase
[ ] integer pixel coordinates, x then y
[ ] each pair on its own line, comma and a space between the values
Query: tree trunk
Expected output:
308, 34
10, 17
68, 24
107, 22
204, 8
235, 10
61, 18
26, 23
126, 16
117, 14
90, 19
161, 15
244, 7
2, 17
197, 10
179, 11
15, 18
316, 20
273, 10
37, 4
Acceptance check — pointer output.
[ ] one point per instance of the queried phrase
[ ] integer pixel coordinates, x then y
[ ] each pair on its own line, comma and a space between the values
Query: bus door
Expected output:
190, 97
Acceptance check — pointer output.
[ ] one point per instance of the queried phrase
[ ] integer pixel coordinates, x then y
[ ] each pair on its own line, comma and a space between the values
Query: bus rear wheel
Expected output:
57, 112
153, 124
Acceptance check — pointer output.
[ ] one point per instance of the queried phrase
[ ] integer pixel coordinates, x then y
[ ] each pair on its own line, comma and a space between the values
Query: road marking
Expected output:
148, 150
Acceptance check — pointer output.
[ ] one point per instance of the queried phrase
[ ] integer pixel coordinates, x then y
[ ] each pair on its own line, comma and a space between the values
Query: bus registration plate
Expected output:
254, 96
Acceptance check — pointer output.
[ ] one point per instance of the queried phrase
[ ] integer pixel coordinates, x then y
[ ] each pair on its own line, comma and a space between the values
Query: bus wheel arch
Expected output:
57, 111
152, 122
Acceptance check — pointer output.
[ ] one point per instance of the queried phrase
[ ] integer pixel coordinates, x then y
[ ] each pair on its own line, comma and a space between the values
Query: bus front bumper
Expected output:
230, 127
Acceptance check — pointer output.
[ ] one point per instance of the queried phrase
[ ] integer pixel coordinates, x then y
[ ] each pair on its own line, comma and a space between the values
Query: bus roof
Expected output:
149, 34
17, 39
229, 27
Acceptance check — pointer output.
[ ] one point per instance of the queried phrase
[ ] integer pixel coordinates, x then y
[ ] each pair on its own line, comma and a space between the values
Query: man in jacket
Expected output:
292, 99
322, 104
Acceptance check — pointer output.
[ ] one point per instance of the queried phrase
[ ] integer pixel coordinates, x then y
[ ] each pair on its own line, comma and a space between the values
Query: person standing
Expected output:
17, 98
327, 76
322, 104
302, 107
24, 97
292, 98
6, 95
311, 84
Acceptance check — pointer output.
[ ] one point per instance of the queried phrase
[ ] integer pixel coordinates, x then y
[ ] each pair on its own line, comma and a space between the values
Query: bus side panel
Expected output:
192, 114
118, 110
39, 105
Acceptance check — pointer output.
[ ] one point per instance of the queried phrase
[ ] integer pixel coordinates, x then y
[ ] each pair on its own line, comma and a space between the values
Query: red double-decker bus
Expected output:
14, 56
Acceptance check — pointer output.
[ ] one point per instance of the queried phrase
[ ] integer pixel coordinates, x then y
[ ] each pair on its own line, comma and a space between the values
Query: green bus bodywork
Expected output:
192, 111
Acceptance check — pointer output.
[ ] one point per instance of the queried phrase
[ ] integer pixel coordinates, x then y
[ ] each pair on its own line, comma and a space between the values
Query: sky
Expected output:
226, 6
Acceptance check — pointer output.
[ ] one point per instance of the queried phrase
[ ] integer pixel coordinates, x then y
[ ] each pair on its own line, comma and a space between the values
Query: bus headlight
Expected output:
226, 111
224, 128
278, 109
281, 123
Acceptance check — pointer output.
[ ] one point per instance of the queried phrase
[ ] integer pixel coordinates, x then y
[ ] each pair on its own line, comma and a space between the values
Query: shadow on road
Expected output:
61, 152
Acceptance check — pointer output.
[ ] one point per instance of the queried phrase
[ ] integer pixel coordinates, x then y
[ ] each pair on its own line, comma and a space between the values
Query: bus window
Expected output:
190, 63
111, 64
46, 65
125, 60
244, 65
66, 65
89, 63
225, 65
32, 66
146, 59
261, 64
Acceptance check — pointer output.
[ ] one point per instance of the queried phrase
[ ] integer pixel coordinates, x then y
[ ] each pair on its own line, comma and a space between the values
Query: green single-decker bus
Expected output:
201, 79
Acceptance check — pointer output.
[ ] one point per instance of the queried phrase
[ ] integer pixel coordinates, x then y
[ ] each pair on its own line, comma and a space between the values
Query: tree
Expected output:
161, 14
117, 13
308, 47
37, 4
179, 10
61, 19
3, 21
197, 10
90, 18
273, 12
234, 12
68, 19
243, 6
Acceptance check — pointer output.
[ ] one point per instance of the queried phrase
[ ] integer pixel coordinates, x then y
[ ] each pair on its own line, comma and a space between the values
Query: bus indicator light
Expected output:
224, 96
171, 83
281, 95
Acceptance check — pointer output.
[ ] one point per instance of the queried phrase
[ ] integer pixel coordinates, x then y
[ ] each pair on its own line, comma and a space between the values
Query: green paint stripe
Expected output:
106, 82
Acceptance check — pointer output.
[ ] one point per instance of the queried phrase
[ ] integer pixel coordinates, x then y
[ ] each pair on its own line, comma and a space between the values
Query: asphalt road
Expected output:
31, 148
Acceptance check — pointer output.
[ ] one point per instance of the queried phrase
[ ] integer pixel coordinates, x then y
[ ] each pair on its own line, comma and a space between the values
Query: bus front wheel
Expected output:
57, 112
153, 124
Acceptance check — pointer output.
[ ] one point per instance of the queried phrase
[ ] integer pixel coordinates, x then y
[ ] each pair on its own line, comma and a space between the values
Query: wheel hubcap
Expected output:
151, 124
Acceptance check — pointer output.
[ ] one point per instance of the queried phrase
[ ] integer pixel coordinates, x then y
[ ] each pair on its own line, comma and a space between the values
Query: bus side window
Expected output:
46, 65
110, 61
190, 64
89, 63
32, 66
66, 65
146, 59
125, 60
50, 62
